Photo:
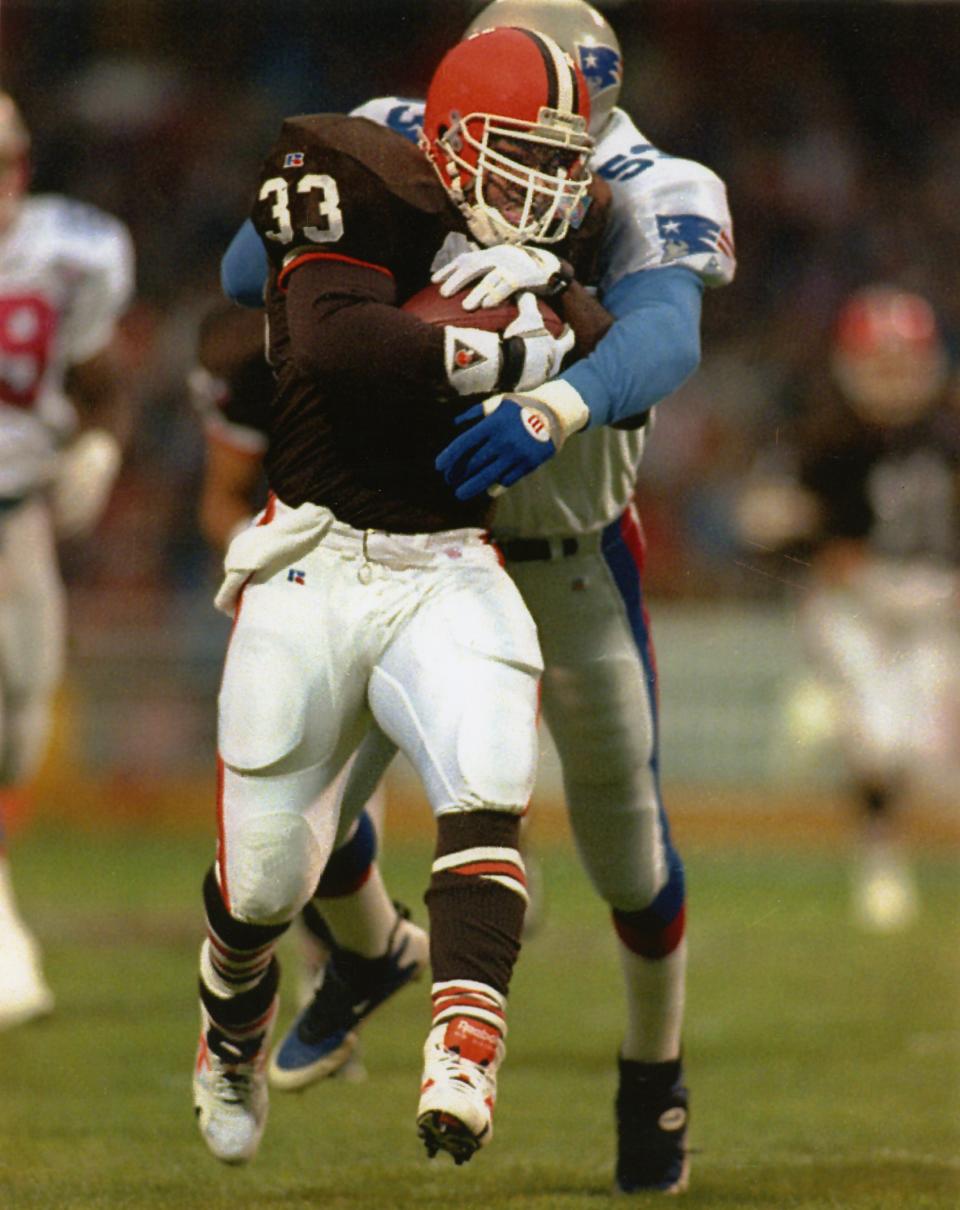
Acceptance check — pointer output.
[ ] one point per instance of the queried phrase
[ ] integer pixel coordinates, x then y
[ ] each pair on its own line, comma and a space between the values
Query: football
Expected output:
430, 305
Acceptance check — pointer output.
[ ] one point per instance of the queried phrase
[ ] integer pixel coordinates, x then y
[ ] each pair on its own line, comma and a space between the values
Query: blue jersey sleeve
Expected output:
653, 346
243, 270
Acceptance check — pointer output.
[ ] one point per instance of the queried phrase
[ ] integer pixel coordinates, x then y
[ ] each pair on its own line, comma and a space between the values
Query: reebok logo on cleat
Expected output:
473, 1041
672, 1119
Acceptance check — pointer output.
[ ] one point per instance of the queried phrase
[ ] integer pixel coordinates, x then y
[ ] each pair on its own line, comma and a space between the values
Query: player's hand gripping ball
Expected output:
496, 274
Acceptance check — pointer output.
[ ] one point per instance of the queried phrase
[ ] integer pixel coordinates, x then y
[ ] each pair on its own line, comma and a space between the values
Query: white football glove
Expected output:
85, 477
503, 270
524, 356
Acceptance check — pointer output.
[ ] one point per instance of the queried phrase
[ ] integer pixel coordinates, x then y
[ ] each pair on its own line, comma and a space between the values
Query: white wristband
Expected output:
565, 403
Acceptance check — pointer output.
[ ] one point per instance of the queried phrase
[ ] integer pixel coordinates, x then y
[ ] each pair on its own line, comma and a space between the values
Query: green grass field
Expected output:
824, 1065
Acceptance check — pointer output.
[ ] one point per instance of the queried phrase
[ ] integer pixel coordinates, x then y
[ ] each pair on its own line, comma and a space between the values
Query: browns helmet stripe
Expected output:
562, 89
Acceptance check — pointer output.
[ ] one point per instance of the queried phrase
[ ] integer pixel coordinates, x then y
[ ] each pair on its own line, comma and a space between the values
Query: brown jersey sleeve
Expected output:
344, 325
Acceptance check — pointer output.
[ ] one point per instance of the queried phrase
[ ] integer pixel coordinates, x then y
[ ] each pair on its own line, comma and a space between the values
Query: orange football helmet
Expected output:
506, 128
888, 356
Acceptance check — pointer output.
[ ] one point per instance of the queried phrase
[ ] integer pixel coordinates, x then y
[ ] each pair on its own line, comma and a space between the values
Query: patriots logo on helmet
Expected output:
602, 67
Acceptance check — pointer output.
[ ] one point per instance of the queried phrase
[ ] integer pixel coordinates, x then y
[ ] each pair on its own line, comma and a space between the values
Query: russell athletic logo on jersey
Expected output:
293, 159
683, 234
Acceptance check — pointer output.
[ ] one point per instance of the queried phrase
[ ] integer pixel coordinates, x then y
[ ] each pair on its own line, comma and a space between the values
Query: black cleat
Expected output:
652, 1114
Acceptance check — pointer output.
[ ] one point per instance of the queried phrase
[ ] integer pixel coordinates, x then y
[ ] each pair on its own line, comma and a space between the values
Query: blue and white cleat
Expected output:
323, 1037
652, 1114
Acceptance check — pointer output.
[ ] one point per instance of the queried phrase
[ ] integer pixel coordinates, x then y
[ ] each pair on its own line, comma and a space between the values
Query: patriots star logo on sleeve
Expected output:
686, 234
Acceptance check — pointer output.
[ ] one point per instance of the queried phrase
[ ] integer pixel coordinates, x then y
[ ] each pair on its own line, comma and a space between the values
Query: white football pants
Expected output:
889, 646
424, 636
599, 701
32, 629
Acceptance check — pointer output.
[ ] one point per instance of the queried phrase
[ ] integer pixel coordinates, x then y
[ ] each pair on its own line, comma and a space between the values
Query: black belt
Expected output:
526, 550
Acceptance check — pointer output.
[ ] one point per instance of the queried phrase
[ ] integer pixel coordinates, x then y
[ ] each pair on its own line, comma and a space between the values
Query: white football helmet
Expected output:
888, 355
14, 159
582, 31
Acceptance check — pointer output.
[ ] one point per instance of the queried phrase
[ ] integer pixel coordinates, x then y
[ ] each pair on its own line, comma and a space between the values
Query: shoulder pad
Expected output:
85, 235
344, 186
665, 210
400, 114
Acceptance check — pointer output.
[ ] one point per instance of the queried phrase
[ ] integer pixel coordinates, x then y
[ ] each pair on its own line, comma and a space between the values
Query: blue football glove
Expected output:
510, 436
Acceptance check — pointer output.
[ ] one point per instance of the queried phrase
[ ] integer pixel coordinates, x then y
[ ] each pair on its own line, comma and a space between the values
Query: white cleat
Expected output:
459, 1087
885, 898
24, 993
230, 1095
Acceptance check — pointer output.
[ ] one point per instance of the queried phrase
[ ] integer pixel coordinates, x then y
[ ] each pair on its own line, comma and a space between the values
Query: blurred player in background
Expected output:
574, 547
231, 387
66, 275
869, 492
369, 592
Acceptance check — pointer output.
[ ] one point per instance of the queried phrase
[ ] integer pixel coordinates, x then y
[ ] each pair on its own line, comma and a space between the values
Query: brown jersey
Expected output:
352, 216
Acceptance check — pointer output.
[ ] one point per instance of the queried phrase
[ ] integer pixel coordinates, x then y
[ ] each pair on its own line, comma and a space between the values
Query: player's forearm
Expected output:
221, 516
352, 332
651, 349
96, 388
230, 480
589, 319
243, 270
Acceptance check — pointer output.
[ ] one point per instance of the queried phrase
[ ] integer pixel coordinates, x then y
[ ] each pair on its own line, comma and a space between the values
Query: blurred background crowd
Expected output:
836, 126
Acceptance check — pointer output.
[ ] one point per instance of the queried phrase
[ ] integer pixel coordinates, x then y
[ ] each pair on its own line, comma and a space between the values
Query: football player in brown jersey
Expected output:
369, 594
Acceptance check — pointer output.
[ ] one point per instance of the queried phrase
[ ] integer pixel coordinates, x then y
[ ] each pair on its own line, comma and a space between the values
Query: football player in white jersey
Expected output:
574, 546
66, 274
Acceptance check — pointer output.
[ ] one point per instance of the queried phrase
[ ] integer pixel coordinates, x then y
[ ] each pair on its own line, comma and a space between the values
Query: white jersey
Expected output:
665, 211
66, 274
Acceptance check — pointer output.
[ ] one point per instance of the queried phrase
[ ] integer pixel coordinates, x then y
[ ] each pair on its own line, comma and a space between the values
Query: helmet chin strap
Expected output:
482, 220
485, 229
